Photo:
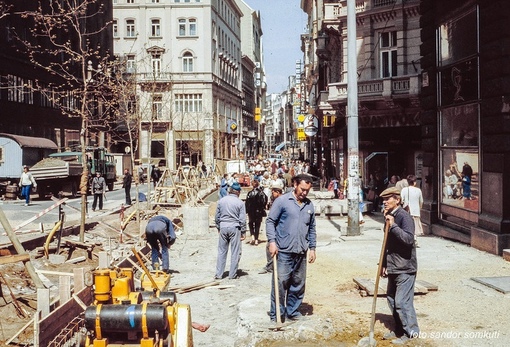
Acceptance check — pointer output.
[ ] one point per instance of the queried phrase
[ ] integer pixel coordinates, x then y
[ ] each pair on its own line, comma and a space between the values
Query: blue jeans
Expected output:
291, 284
25, 192
232, 236
400, 296
157, 236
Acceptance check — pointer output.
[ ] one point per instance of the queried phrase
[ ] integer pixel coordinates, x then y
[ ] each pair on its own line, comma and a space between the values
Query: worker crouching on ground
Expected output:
160, 236
230, 220
400, 266
290, 229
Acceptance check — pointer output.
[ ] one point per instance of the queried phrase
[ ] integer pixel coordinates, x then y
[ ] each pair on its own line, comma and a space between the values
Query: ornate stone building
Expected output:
465, 121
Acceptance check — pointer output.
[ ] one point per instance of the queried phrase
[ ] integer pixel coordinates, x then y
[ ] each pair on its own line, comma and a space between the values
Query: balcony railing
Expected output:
373, 89
379, 3
155, 76
333, 11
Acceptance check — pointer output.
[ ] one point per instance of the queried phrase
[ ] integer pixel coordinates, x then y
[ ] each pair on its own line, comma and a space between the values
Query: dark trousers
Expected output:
400, 297
291, 283
127, 190
254, 223
97, 196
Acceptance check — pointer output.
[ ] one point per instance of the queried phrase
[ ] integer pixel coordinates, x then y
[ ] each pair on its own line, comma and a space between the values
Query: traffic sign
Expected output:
311, 125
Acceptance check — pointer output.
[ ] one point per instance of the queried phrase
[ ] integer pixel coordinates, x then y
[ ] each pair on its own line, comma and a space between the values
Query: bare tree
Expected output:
69, 40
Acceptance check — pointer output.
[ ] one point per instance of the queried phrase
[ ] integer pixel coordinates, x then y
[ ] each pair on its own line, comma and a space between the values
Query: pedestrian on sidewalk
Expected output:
223, 186
126, 184
98, 188
256, 202
160, 236
276, 192
413, 197
400, 266
290, 228
230, 220
26, 182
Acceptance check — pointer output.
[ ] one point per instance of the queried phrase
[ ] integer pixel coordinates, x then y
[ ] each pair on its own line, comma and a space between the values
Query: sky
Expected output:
283, 22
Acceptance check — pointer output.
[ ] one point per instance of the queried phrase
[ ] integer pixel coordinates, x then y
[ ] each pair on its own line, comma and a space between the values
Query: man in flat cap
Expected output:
400, 266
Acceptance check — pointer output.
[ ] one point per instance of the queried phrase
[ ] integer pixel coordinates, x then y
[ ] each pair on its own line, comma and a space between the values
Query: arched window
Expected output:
187, 62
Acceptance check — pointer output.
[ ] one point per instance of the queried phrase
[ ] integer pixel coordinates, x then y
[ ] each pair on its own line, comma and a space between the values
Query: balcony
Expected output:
333, 11
155, 77
389, 88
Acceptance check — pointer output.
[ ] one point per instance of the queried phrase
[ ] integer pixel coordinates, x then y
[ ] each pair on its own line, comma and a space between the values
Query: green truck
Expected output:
60, 173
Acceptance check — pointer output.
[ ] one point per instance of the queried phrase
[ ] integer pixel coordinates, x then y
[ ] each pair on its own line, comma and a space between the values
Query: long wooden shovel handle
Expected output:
378, 275
277, 292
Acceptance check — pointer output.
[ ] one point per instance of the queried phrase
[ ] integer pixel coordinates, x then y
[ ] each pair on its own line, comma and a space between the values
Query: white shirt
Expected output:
413, 197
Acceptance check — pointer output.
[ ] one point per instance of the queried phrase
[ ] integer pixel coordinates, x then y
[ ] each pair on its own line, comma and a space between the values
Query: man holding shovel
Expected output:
290, 229
400, 266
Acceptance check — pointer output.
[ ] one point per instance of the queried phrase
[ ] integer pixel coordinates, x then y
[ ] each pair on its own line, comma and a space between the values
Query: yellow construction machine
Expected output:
123, 316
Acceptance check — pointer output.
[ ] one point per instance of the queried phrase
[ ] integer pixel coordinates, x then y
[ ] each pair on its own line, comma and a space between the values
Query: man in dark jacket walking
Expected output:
256, 202
126, 184
400, 266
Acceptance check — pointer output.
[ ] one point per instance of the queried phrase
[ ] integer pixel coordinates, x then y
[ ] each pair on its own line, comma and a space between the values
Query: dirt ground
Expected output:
461, 313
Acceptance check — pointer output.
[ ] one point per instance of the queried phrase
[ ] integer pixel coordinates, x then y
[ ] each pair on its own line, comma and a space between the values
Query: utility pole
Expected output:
352, 124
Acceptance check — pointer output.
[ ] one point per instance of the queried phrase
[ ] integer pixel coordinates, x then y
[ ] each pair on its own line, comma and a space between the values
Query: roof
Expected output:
31, 142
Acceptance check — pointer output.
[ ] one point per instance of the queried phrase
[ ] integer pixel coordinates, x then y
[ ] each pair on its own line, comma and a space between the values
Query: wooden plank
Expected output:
64, 288
43, 301
418, 288
57, 320
501, 284
430, 287
8, 259
56, 273
368, 285
79, 279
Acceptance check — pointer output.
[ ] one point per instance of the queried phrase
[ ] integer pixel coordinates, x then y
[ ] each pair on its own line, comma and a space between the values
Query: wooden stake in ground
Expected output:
19, 249
15, 302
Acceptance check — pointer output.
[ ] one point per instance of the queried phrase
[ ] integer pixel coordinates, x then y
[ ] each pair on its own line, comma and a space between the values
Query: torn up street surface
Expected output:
456, 311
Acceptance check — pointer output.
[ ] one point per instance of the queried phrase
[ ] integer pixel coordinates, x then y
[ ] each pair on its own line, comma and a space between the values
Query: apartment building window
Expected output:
130, 63
155, 28
115, 28
187, 27
188, 102
187, 62
20, 90
130, 1
156, 64
388, 52
130, 28
157, 107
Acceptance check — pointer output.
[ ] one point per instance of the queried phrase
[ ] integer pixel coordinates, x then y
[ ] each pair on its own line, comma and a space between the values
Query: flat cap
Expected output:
389, 192
236, 186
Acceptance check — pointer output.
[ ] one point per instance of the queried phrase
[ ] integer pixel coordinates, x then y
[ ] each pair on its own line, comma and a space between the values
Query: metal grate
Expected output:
69, 336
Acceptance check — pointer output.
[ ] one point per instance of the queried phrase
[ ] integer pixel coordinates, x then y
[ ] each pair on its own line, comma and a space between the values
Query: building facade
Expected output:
388, 68
465, 121
254, 85
34, 101
186, 59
